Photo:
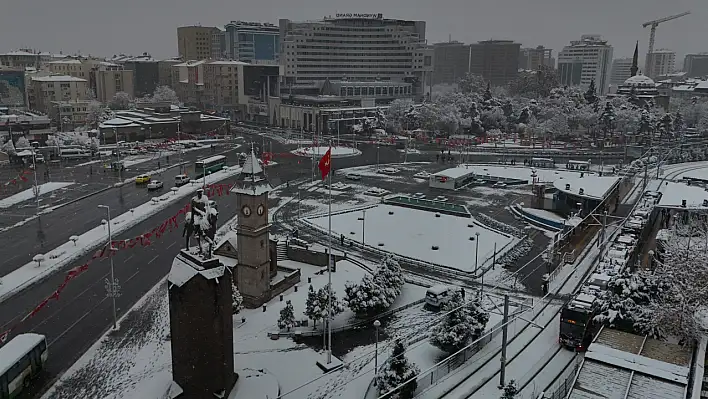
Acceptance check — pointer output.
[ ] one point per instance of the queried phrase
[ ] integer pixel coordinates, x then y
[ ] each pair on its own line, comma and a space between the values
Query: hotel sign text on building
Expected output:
364, 16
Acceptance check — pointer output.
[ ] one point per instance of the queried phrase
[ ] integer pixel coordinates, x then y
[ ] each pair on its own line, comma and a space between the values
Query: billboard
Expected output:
12, 88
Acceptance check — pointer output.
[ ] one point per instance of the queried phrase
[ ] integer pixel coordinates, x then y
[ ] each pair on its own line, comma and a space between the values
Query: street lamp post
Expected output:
377, 324
363, 225
36, 185
112, 286
476, 258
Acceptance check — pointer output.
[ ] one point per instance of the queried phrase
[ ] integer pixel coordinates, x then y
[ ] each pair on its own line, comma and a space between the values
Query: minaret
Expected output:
635, 60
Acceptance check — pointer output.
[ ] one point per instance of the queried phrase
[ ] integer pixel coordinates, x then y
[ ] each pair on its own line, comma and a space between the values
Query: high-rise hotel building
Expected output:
358, 55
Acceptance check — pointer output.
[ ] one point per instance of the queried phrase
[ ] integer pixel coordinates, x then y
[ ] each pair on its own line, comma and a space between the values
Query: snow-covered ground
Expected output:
337, 152
63, 255
413, 233
29, 193
137, 363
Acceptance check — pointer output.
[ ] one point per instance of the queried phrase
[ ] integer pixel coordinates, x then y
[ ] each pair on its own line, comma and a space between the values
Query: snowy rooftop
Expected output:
673, 195
67, 61
523, 172
57, 78
454, 173
620, 363
594, 187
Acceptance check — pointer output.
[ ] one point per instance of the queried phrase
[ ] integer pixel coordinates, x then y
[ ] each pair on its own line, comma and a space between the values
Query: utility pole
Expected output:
502, 372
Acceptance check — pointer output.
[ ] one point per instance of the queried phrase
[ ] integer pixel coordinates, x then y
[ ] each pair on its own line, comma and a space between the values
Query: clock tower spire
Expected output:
253, 271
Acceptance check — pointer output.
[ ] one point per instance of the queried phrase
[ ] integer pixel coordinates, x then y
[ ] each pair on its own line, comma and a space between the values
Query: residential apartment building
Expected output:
44, 90
696, 65
21, 59
253, 42
497, 61
200, 42
452, 62
68, 115
534, 58
165, 70
584, 60
389, 54
621, 70
660, 62
208, 84
146, 74
111, 81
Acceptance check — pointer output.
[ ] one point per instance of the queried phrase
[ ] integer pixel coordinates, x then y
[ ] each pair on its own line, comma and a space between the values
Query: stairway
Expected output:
282, 250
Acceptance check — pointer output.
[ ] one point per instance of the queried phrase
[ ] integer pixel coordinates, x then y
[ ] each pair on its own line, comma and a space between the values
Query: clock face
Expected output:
260, 210
246, 210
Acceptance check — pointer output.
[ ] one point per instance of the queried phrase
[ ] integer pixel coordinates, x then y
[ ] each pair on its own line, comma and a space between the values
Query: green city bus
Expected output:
209, 165
21, 360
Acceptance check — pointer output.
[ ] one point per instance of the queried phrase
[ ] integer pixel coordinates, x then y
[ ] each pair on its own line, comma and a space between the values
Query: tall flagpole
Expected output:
329, 261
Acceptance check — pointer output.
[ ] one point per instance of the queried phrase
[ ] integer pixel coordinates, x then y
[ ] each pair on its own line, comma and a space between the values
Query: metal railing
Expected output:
564, 383
434, 375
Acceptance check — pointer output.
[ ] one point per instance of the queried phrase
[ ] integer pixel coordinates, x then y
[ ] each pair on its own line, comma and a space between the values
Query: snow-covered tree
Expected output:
368, 297
236, 298
376, 293
607, 121
487, 96
313, 306
510, 390
665, 125
121, 100
472, 84
463, 323
287, 317
534, 84
337, 305
165, 94
685, 269
390, 274
94, 113
591, 93
9, 147
396, 371
398, 110
22, 142
679, 124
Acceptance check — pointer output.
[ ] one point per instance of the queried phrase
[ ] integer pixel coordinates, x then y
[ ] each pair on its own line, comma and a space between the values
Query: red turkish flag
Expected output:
325, 164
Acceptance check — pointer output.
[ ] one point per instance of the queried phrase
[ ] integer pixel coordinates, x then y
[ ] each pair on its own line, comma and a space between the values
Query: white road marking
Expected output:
153, 259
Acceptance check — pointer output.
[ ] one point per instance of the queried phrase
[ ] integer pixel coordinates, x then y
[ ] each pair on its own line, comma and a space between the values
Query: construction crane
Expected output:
655, 23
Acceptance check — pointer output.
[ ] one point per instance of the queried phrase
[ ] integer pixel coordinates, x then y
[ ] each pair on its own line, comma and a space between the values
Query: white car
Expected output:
353, 176
155, 185
499, 184
422, 175
389, 171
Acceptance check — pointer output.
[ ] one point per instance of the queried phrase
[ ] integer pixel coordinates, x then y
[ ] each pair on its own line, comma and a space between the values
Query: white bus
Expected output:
21, 359
74, 153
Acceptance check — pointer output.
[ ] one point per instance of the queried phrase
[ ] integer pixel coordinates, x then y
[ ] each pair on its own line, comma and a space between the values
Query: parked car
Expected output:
155, 185
499, 185
353, 176
142, 179
181, 180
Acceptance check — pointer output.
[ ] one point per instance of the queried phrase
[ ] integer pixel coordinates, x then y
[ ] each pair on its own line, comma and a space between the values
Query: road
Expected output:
83, 313
53, 229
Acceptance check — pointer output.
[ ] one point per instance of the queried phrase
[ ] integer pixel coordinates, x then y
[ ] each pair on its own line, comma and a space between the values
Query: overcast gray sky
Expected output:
107, 27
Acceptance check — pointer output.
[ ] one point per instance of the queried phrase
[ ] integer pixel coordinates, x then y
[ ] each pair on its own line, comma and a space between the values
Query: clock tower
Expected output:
253, 245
